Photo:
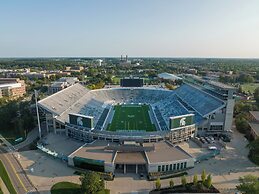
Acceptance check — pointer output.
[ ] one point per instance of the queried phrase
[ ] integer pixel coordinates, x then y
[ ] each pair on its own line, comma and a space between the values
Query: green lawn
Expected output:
65, 188
70, 188
249, 87
6, 179
131, 117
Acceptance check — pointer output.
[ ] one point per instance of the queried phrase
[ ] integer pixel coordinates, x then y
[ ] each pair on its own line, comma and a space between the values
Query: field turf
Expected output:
131, 117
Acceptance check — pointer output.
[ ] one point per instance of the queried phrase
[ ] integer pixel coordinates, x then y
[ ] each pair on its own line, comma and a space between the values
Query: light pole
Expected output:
37, 110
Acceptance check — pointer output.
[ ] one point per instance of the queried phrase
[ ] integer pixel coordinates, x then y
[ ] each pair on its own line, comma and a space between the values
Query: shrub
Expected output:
208, 181
158, 183
184, 181
171, 183
203, 176
195, 180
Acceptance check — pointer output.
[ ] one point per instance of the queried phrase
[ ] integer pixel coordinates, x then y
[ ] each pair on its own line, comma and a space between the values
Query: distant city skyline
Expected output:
147, 28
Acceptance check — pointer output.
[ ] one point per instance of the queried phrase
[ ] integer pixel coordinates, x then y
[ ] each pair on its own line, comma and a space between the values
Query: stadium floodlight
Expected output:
37, 111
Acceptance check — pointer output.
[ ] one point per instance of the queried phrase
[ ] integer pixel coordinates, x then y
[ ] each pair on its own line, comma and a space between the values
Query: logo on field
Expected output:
79, 121
182, 121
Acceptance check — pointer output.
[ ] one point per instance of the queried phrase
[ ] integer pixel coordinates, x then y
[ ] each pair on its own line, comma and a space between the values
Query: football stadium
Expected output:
133, 128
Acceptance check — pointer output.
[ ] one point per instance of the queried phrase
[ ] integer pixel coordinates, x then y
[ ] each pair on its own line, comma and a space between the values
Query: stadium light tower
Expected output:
37, 110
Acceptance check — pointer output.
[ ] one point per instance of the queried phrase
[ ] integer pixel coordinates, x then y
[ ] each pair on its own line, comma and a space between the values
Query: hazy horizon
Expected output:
148, 28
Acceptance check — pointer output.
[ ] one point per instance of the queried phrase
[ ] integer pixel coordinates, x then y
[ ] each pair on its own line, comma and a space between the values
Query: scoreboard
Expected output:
132, 82
181, 121
81, 120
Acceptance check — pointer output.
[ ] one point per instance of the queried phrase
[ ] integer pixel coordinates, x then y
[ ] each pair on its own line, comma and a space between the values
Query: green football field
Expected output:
131, 117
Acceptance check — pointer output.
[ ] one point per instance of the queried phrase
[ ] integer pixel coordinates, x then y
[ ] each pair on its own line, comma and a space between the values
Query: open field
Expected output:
249, 87
131, 117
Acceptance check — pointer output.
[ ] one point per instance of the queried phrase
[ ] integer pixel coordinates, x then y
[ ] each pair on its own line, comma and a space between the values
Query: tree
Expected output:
195, 180
203, 176
171, 183
254, 151
158, 183
208, 181
91, 182
256, 95
241, 124
249, 184
184, 181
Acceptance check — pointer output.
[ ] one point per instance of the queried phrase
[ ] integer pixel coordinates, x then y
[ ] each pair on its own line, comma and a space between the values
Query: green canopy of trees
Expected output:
91, 183
249, 184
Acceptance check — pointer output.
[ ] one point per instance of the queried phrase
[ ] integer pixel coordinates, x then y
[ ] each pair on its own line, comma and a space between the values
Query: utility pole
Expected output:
37, 110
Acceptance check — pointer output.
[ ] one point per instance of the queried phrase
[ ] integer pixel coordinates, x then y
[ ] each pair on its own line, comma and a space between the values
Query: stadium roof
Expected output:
221, 85
168, 76
62, 100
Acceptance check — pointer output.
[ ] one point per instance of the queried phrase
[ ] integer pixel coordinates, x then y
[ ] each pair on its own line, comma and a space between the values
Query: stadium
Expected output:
136, 128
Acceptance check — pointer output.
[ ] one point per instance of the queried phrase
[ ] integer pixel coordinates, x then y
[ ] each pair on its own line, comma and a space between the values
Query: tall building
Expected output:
12, 87
62, 83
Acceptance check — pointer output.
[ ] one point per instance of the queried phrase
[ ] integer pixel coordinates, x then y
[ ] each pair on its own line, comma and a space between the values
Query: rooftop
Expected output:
165, 152
221, 85
62, 100
130, 158
96, 151
255, 127
168, 76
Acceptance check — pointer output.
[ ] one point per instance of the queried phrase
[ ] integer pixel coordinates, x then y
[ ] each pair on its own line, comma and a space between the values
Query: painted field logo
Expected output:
79, 121
182, 121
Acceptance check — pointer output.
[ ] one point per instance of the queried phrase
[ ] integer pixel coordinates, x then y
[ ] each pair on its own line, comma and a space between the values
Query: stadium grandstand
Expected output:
143, 116
209, 111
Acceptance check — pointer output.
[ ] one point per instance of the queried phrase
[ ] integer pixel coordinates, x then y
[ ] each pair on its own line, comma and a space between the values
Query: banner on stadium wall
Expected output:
81, 120
181, 121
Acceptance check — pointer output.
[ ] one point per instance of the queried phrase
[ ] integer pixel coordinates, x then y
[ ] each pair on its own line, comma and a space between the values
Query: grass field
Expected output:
249, 87
131, 117
71, 188
6, 179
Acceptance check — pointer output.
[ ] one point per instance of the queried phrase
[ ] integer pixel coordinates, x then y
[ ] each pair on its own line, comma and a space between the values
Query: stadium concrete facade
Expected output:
176, 115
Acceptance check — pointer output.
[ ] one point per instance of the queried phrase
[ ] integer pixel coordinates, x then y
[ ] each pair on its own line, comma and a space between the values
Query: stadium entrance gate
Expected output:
130, 168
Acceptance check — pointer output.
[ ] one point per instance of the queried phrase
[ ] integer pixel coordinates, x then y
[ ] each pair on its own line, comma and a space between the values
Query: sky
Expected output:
141, 28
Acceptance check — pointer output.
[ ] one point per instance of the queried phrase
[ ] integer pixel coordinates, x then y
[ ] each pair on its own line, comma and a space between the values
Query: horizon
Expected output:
167, 29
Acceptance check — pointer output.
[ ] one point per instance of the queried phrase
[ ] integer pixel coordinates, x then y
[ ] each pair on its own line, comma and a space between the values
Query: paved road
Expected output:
32, 135
17, 175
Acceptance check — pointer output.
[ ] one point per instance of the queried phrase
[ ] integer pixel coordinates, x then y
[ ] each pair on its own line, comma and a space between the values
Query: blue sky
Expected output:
169, 28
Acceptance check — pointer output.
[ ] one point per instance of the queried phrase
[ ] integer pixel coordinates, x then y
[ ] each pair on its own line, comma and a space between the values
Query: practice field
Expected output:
131, 117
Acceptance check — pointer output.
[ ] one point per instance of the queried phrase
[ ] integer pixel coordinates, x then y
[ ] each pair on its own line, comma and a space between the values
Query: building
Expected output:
124, 60
12, 87
74, 69
254, 124
168, 76
131, 157
62, 83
